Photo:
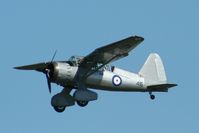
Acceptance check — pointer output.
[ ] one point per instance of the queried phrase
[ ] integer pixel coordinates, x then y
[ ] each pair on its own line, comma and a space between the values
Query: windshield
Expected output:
75, 60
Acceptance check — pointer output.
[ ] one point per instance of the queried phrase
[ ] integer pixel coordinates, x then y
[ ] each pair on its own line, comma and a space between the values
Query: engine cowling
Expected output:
63, 73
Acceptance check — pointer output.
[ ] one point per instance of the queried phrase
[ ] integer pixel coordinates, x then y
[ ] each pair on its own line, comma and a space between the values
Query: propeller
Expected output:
48, 81
49, 72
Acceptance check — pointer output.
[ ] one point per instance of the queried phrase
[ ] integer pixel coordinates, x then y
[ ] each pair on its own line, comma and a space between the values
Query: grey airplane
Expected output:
83, 74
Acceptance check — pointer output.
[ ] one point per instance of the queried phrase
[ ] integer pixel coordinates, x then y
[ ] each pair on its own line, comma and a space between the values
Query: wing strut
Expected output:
92, 72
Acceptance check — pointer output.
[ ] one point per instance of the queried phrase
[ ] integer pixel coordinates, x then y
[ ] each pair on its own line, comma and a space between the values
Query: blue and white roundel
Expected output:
117, 81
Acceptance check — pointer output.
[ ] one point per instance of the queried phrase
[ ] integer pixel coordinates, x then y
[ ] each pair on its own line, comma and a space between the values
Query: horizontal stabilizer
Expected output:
160, 87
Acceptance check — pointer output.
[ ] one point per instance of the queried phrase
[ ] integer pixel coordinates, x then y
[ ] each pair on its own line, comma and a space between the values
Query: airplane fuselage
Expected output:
115, 80
112, 81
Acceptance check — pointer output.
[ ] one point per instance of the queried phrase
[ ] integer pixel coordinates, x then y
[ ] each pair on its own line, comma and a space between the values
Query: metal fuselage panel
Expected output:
117, 80
105, 81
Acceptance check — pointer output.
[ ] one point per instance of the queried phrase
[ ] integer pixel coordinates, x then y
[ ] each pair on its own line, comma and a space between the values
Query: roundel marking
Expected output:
117, 81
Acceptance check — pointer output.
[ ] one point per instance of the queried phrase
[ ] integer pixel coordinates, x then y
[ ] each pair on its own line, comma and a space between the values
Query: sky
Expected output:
30, 32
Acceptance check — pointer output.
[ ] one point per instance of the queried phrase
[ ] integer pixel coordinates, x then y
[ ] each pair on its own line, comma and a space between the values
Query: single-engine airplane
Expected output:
92, 71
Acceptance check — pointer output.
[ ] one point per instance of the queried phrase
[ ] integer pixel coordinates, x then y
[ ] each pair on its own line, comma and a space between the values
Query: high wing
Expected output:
109, 53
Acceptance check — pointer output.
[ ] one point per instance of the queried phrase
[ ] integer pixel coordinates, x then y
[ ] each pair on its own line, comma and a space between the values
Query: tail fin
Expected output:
153, 71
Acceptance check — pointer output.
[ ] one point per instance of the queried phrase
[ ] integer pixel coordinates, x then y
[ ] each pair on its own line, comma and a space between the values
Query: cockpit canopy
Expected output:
75, 60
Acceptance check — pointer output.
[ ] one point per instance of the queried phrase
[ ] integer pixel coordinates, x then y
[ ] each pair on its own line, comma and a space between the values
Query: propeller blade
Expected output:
48, 72
54, 56
48, 82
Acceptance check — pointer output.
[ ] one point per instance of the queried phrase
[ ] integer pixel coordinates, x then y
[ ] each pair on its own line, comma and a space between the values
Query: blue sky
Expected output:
30, 32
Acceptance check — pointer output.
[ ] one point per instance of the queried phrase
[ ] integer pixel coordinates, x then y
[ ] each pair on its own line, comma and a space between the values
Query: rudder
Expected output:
153, 70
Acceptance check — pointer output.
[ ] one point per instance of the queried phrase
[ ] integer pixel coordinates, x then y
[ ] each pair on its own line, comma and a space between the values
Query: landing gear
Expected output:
151, 96
62, 100
59, 109
83, 96
82, 103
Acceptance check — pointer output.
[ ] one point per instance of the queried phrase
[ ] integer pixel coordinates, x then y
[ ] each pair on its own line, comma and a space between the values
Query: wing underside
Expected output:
38, 67
110, 53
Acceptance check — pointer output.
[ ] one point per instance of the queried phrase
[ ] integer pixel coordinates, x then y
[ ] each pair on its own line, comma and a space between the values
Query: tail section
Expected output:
153, 70
154, 74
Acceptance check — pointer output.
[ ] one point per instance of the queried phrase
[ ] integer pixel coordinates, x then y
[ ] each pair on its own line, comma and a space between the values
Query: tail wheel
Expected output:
152, 97
82, 103
59, 109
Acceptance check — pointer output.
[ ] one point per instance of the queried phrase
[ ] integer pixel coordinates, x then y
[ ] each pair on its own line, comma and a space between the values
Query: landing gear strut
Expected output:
151, 96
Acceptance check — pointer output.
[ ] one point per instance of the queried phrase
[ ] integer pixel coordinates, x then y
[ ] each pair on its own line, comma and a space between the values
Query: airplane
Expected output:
83, 74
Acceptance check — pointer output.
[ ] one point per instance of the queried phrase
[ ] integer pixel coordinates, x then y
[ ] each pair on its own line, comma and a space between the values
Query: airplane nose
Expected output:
49, 71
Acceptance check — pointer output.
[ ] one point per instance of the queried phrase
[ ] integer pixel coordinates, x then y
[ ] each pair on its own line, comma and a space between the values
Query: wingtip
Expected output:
18, 68
139, 38
15, 68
